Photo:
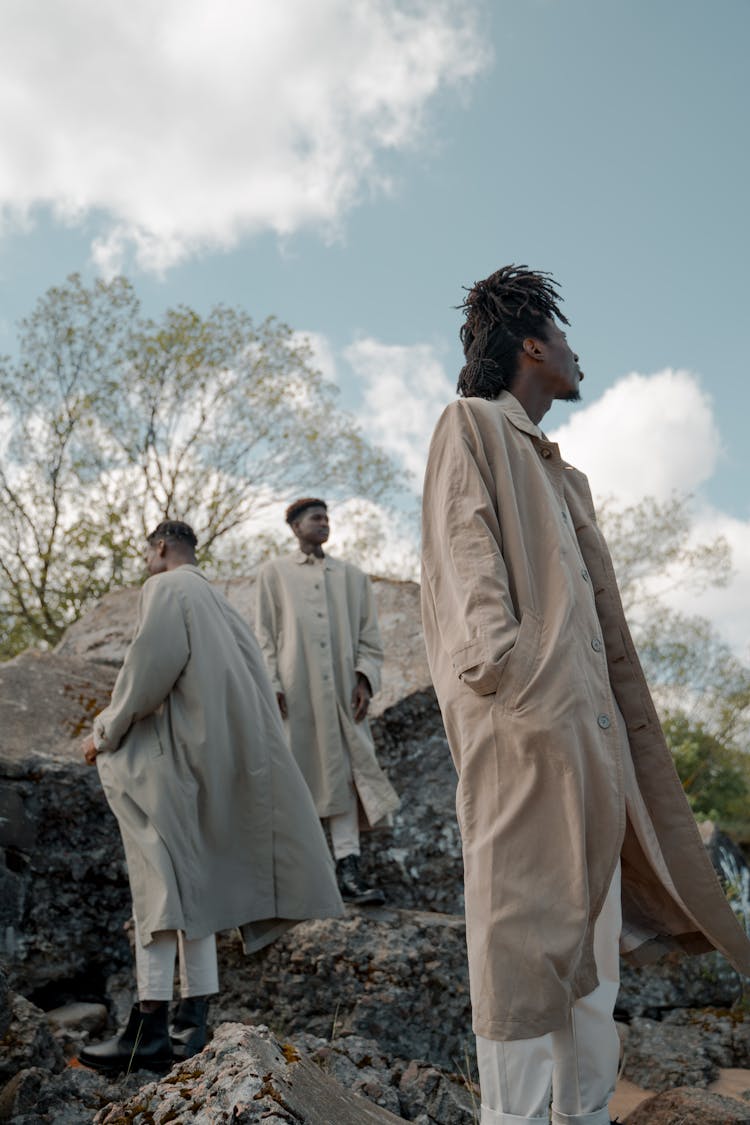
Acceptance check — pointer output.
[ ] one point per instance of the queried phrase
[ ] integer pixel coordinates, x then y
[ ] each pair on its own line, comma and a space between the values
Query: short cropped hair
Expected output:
174, 531
295, 510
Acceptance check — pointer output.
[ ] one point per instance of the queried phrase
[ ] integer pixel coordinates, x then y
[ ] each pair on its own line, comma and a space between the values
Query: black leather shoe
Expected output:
351, 886
143, 1045
189, 1030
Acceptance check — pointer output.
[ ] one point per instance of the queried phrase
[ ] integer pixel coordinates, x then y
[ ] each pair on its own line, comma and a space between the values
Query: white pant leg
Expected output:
344, 828
199, 968
515, 1078
578, 1062
587, 1050
154, 965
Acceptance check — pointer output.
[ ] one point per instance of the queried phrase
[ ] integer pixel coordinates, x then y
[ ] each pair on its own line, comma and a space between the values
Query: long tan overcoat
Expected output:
533, 662
317, 626
217, 823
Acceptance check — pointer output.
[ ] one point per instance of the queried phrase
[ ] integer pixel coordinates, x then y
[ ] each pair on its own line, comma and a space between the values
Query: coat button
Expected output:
546, 453
585, 575
596, 644
604, 722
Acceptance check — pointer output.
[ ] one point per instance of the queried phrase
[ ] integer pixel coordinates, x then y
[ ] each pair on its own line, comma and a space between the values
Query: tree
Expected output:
690, 669
716, 778
114, 422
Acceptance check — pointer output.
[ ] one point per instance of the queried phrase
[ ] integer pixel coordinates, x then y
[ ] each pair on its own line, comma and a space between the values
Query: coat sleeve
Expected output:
157, 655
462, 553
267, 624
369, 651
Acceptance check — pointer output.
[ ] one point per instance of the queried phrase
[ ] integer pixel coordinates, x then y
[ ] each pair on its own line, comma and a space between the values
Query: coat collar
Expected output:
301, 559
193, 570
516, 415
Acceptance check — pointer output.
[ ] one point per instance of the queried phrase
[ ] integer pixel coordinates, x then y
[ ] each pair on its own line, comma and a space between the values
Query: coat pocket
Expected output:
519, 662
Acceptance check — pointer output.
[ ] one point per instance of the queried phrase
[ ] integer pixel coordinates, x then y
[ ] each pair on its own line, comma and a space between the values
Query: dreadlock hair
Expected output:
501, 311
295, 510
174, 531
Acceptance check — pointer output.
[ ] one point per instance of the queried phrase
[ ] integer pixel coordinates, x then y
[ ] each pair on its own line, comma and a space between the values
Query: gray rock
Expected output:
246, 1075
79, 1017
398, 977
429, 1094
678, 982
661, 1056
418, 863
725, 1034
27, 1041
690, 1107
35, 1096
415, 1091
103, 634
5, 1012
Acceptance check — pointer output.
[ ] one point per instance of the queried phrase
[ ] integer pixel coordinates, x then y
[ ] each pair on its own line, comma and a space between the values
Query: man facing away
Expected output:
217, 823
316, 624
576, 833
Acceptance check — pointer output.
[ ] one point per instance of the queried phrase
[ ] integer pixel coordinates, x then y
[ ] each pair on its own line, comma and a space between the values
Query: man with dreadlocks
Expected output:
317, 626
576, 833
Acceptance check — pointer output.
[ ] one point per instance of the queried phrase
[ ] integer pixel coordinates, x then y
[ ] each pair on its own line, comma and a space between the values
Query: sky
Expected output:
350, 166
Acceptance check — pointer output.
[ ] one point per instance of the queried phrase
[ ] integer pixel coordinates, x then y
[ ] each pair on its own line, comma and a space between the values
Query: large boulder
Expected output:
102, 635
63, 887
247, 1076
688, 1106
399, 977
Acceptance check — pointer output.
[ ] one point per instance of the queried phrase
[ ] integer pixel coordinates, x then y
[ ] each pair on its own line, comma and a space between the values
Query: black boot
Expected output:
351, 886
143, 1045
189, 1030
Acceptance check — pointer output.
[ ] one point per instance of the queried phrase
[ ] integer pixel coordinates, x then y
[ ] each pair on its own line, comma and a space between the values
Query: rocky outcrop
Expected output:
377, 1002
398, 977
247, 1076
102, 636
690, 1107
27, 1039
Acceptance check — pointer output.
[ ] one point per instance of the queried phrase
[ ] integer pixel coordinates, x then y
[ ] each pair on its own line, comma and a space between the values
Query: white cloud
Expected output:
187, 124
648, 435
404, 388
728, 607
654, 435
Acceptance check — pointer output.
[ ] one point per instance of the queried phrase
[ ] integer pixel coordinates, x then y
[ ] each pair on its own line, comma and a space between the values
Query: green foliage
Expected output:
689, 668
115, 422
715, 776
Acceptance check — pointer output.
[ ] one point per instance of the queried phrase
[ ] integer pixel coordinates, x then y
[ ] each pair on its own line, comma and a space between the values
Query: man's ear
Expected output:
161, 548
533, 347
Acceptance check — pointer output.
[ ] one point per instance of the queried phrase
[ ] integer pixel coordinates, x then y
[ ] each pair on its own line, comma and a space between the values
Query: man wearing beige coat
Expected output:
576, 833
217, 823
316, 624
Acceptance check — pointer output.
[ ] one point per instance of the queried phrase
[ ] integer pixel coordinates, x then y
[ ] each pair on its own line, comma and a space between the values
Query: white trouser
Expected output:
578, 1063
344, 828
154, 965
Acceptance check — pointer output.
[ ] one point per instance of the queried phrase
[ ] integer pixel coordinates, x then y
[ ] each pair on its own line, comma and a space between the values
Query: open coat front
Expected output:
217, 823
531, 658
316, 624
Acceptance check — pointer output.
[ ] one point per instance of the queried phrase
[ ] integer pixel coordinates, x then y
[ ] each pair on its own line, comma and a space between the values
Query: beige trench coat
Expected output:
531, 655
316, 624
217, 823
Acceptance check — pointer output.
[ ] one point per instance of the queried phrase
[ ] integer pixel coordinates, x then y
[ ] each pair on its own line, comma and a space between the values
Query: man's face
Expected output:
561, 364
153, 557
312, 526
